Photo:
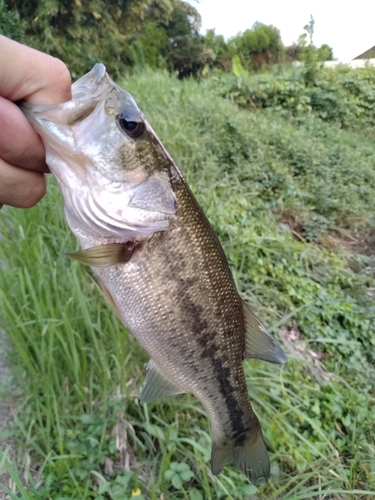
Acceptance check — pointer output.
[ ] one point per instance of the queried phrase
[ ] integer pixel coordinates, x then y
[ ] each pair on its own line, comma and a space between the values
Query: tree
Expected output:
325, 53
10, 24
217, 51
258, 46
309, 28
308, 52
119, 33
82, 32
184, 51
170, 39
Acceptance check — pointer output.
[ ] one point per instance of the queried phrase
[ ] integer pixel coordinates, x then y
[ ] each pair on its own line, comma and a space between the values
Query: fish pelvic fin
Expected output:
251, 456
157, 385
260, 344
104, 255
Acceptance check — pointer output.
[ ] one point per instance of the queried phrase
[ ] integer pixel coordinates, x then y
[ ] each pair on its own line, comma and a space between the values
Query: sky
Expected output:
346, 26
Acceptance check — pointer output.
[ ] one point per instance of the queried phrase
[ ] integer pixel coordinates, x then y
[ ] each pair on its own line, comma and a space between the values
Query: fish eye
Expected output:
132, 128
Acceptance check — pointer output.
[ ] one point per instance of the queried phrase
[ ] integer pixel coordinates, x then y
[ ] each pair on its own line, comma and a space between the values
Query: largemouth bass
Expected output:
158, 260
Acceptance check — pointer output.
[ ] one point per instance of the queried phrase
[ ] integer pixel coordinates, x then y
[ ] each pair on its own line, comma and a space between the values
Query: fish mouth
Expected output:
87, 92
89, 84
89, 87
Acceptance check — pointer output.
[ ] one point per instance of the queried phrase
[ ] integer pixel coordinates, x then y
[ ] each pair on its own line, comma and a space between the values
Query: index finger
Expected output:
48, 79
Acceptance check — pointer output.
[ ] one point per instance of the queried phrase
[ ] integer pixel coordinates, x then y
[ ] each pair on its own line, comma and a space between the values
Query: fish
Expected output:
158, 261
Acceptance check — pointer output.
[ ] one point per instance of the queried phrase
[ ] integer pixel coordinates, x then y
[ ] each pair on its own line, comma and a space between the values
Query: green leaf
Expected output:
168, 474
176, 481
186, 475
124, 479
249, 489
104, 487
237, 66
195, 494
87, 419
182, 466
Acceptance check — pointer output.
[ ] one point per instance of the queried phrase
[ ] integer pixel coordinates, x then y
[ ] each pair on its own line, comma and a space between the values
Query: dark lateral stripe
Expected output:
239, 430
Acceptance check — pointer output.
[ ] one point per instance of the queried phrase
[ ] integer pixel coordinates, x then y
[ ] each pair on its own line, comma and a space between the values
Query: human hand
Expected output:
26, 74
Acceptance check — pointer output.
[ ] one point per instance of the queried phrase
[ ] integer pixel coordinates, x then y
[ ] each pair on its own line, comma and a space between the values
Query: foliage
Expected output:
156, 33
184, 50
169, 39
340, 95
305, 50
159, 33
308, 53
285, 190
218, 52
177, 474
259, 46
10, 25
80, 33
325, 53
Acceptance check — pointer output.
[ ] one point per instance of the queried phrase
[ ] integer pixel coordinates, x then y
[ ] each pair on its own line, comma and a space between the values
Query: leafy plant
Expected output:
340, 95
118, 489
178, 473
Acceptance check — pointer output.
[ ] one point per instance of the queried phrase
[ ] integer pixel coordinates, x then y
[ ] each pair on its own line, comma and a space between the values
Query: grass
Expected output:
80, 422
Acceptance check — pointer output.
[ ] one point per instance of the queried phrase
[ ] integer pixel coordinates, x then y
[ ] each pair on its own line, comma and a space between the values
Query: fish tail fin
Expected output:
251, 456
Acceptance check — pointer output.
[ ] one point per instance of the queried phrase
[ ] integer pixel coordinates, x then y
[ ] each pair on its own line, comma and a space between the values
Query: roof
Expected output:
369, 54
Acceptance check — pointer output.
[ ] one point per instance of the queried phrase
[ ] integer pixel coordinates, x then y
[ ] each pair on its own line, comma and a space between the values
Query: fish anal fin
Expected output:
259, 344
157, 385
105, 255
251, 456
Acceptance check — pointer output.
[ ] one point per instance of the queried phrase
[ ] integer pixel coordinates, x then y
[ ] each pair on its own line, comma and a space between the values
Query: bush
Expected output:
341, 95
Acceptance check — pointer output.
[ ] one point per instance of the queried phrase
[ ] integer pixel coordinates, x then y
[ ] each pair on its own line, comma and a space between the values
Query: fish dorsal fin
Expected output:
105, 255
259, 344
157, 385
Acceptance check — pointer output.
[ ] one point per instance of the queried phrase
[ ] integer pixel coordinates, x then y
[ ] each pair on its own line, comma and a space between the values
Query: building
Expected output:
369, 54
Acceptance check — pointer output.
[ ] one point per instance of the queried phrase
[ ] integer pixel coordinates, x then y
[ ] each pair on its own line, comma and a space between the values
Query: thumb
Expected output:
33, 75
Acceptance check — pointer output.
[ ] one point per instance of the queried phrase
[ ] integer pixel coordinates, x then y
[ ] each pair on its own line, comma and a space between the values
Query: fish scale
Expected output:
158, 260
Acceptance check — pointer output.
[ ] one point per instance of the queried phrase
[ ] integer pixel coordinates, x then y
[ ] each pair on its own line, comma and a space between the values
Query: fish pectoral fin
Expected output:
259, 344
157, 385
155, 194
105, 255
